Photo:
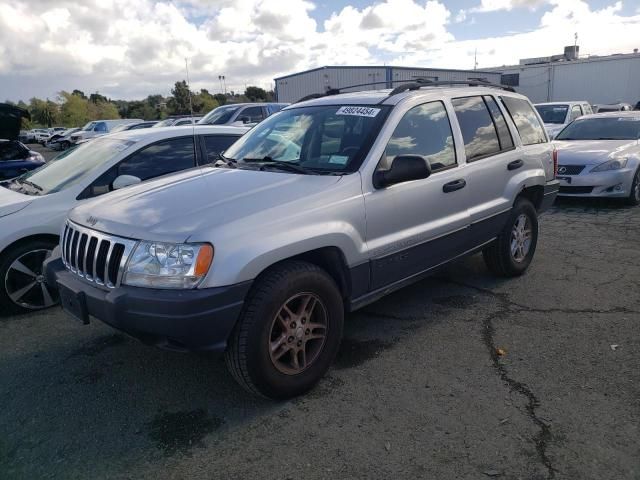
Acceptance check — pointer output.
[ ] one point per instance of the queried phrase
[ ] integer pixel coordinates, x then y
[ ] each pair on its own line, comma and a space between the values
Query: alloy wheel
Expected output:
24, 281
298, 333
521, 238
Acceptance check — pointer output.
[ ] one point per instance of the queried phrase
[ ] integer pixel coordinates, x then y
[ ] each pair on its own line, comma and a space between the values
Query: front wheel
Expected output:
288, 333
634, 196
512, 252
22, 285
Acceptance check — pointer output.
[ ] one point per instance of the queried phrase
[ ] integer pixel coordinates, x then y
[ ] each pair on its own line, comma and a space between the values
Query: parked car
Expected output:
614, 107
100, 127
15, 157
557, 115
33, 206
599, 156
320, 209
241, 113
41, 135
177, 121
61, 140
134, 126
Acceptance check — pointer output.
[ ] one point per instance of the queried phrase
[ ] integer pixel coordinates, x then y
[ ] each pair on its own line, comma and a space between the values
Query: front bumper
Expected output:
614, 183
549, 195
183, 320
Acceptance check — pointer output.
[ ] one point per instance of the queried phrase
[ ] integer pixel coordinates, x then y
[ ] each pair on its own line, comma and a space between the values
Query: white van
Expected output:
100, 127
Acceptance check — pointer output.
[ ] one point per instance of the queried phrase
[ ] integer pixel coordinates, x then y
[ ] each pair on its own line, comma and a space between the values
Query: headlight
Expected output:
610, 165
168, 265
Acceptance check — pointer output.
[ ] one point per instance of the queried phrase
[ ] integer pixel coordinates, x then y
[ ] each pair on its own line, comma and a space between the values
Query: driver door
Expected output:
417, 225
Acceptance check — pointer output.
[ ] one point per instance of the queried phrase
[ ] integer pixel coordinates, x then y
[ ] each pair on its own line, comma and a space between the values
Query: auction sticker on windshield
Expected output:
358, 111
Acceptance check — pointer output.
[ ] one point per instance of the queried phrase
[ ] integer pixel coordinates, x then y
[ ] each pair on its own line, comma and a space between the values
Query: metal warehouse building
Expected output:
606, 79
292, 88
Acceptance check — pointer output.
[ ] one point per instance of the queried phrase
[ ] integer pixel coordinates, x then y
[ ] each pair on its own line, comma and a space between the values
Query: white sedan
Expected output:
33, 206
599, 156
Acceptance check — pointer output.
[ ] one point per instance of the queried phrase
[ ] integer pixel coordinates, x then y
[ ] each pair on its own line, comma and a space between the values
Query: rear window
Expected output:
524, 117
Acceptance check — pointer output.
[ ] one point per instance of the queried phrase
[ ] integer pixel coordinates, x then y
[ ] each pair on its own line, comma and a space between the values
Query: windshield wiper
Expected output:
270, 162
229, 162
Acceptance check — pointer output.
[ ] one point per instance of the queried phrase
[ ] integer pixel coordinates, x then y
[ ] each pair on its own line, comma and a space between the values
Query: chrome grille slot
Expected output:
97, 257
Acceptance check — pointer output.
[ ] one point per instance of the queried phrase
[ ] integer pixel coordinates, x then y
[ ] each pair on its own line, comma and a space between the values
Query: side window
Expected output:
576, 112
504, 135
158, 159
254, 114
215, 144
478, 130
526, 121
424, 130
11, 151
587, 109
100, 127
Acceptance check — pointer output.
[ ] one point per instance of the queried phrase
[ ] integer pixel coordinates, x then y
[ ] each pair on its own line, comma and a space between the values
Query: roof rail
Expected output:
436, 83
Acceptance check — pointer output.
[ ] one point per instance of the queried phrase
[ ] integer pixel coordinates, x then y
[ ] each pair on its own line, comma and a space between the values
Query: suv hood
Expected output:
12, 202
11, 121
590, 152
174, 207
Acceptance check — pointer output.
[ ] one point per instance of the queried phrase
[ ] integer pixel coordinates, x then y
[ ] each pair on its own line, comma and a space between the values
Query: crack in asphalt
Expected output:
544, 436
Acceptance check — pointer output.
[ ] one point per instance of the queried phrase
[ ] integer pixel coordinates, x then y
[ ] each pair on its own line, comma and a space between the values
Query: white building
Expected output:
606, 79
292, 88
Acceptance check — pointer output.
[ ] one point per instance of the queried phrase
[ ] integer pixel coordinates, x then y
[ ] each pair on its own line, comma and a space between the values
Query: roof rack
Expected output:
419, 83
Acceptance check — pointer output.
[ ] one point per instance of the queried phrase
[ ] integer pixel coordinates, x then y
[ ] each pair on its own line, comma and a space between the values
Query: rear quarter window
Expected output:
525, 119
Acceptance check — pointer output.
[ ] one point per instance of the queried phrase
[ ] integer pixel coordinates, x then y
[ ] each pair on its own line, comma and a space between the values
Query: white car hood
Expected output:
12, 202
591, 152
173, 208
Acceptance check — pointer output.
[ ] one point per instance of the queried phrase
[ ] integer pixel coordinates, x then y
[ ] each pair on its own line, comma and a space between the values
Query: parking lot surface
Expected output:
461, 376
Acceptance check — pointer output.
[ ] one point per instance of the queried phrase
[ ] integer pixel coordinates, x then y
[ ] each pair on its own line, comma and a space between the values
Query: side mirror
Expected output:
404, 168
245, 119
122, 181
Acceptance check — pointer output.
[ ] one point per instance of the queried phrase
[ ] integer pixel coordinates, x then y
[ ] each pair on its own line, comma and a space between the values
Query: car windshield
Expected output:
88, 127
322, 139
72, 166
609, 128
218, 116
165, 123
553, 113
121, 127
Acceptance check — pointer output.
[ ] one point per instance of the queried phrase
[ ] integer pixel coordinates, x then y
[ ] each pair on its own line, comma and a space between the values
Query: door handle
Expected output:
515, 164
453, 186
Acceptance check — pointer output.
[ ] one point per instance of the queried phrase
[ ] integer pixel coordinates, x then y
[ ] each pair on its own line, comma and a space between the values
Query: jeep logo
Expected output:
92, 221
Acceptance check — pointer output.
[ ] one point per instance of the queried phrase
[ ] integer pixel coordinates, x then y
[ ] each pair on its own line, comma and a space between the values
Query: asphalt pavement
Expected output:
461, 376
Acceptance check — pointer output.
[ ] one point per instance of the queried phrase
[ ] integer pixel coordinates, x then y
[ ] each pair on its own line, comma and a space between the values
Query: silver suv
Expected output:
319, 210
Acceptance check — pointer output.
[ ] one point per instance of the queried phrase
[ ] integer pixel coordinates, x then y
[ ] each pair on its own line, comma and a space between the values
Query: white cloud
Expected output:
131, 49
495, 5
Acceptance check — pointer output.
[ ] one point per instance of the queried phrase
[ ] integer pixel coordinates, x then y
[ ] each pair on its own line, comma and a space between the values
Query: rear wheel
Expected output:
22, 287
634, 195
289, 332
512, 252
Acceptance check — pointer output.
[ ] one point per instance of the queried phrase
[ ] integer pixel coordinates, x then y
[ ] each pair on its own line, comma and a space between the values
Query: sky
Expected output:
129, 49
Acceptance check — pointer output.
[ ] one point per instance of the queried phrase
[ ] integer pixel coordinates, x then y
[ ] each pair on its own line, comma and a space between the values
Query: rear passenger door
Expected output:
491, 161
214, 145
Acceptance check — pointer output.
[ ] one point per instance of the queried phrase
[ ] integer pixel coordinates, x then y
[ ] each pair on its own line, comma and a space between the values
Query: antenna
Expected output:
193, 123
475, 59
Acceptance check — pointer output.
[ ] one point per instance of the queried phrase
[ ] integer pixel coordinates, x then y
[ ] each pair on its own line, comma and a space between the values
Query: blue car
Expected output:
15, 158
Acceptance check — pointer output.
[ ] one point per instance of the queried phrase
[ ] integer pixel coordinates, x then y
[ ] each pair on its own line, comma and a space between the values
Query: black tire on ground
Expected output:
65, 145
634, 196
7, 258
248, 356
499, 257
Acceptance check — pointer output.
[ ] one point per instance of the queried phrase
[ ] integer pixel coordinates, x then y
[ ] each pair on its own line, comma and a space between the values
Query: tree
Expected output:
256, 94
43, 112
206, 102
221, 98
96, 97
74, 111
179, 104
79, 93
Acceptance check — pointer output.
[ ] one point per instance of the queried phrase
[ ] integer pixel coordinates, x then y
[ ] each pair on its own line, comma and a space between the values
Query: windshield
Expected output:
553, 113
72, 166
219, 116
321, 139
165, 123
88, 126
610, 128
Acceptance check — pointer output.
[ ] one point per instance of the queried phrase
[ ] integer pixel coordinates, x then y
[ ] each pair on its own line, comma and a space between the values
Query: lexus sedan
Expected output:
599, 156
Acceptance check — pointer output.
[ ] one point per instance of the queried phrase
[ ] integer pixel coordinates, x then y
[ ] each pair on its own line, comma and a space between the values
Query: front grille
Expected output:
97, 257
576, 190
570, 169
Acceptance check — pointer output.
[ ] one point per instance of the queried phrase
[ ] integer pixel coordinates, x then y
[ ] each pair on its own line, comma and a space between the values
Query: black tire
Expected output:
33, 249
65, 145
499, 257
634, 196
248, 356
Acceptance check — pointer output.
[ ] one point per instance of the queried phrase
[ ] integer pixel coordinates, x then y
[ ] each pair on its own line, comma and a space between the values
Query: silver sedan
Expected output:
599, 156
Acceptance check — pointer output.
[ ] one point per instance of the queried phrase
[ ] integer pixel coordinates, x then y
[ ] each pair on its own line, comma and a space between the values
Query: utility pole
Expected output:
475, 60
